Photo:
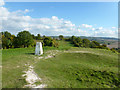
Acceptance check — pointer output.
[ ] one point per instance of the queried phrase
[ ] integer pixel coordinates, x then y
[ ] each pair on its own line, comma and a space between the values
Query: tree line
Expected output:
78, 42
25, 39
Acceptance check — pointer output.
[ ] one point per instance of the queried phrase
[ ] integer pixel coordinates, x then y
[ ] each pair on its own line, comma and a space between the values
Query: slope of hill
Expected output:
63, 67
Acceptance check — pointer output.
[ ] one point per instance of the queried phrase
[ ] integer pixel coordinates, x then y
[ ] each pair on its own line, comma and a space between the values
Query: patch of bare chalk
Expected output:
52, 53
32, 78
82, 52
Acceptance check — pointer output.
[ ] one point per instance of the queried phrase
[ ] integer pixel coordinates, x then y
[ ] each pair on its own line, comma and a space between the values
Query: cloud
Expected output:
113, 27
17, 21
2, 3
93, 29
100, 28
86, 26
20, 12
106, 32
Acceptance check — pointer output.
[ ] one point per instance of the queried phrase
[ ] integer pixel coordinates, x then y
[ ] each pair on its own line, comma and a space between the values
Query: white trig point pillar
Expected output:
38, 49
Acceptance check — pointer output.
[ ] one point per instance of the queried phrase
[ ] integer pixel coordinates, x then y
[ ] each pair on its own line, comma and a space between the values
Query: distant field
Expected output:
113, 45
69, 67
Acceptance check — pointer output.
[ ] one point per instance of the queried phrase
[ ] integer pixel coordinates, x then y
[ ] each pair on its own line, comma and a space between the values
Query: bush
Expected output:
6, 43
24, 39
77, 42
86, 43
113, 50
96, 43
38, 37
47, 41
54, 43
61, 37
92, 45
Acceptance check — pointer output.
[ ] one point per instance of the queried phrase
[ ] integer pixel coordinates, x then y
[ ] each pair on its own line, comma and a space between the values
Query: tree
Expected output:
6, 39
12, 40
61, 37
92, 45
38, 37
86, 43
15, 42
7, 34
113, 50
44, 36
33, 36
6, 43
47, 41
77, 42
96, 43
104, 45
54, 43
2, 33
24, 39
72, 38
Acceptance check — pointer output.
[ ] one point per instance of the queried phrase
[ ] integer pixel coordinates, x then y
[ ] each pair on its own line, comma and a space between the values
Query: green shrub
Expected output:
113, 50
24, 39
54, 43
48, 41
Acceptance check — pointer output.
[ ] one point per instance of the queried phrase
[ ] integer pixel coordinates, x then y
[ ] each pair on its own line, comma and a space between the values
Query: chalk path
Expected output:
32, 78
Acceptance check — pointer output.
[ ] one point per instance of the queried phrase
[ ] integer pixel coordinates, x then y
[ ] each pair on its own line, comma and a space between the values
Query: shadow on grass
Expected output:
30, 53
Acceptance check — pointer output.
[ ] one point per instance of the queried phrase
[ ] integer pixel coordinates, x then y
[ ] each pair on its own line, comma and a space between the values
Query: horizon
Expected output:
66, 36
94, 19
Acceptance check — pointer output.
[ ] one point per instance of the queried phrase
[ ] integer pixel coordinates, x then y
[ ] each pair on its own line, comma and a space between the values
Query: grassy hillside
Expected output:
69, 67
79, 70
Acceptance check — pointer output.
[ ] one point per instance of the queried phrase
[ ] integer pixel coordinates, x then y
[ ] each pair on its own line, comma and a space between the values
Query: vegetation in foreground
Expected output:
76, 70
98, 68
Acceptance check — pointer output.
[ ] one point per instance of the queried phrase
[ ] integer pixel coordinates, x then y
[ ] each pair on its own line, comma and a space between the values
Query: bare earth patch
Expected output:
32, 78
82, 52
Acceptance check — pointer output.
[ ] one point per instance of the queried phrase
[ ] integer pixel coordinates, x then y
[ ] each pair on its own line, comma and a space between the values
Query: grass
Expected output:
65, 70
63, 45
76, 70
13, 61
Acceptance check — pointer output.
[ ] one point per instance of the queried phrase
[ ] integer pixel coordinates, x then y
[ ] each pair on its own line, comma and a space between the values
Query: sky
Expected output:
99, 19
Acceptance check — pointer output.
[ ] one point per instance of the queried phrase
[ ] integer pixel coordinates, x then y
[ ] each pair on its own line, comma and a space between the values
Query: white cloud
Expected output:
86, 26
113, 27
55, 18
2, 3
20, 12
93, 29
106, 32
17, 21
100, 28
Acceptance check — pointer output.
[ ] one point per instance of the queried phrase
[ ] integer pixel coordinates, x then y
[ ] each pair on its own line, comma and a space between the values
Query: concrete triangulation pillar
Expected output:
38, 49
